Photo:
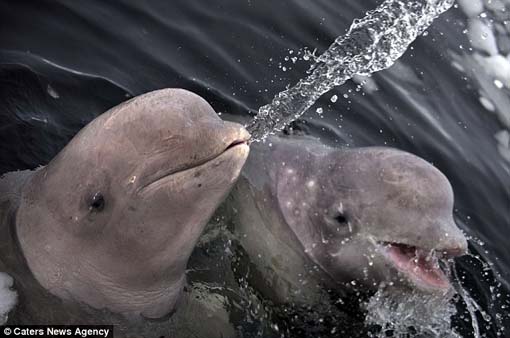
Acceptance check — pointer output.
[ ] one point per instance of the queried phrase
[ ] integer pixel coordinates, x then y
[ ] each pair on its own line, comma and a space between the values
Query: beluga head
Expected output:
112, 220
373, 215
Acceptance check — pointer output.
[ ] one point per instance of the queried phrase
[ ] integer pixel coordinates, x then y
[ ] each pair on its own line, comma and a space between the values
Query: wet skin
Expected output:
112, 220
311, 215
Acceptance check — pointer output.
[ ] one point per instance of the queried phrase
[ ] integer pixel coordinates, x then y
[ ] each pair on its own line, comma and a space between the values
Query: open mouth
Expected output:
422, 267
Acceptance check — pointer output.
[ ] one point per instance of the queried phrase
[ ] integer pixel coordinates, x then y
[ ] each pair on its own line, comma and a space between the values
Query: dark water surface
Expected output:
64, 62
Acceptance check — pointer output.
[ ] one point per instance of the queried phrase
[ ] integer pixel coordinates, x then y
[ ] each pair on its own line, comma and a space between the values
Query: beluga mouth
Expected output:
239, 142
422, 267
235, 139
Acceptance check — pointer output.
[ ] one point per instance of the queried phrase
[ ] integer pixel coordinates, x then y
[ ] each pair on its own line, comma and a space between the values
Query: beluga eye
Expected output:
341, 218
97, 202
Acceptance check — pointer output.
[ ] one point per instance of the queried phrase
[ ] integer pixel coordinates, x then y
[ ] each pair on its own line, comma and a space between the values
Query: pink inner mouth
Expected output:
422, 267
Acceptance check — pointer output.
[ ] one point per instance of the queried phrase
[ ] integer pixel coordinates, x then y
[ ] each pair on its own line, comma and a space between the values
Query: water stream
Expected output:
372, 43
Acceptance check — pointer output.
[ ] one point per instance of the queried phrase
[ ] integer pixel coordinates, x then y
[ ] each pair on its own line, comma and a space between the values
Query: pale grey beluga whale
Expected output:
313, 218
104, 232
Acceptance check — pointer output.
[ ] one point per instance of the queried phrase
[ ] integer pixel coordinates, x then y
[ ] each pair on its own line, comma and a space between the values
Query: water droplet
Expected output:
52, 92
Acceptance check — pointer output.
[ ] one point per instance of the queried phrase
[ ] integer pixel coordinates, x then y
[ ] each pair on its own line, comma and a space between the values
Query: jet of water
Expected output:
372, 43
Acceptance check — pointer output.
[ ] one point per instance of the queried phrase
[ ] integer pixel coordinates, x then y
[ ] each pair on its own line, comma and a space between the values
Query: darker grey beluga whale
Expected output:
313, 218
110, 223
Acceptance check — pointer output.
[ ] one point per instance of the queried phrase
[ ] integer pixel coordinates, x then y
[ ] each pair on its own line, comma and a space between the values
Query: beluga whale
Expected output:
104, 232
313, 218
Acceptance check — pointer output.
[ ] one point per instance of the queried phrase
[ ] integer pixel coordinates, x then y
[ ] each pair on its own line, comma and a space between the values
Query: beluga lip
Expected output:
421, 266
242, 139
237, 143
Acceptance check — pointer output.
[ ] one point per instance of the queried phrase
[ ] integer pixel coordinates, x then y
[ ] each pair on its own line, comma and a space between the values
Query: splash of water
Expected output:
410, 314
471, 305
372, 43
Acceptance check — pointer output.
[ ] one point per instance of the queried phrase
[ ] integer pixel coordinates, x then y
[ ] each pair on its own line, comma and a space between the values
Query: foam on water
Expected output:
8, 297
372, 43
